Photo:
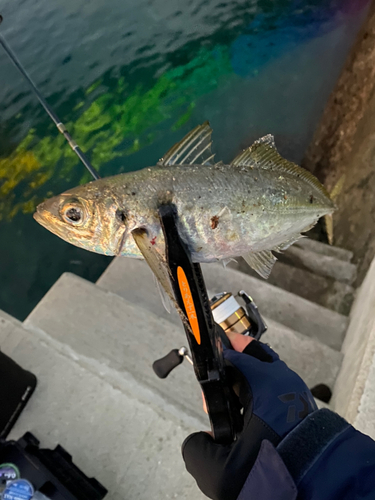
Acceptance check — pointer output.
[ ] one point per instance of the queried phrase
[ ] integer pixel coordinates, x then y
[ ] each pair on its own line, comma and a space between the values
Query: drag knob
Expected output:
163, 366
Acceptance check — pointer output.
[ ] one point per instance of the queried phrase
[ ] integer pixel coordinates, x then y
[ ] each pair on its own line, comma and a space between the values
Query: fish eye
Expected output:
73, 214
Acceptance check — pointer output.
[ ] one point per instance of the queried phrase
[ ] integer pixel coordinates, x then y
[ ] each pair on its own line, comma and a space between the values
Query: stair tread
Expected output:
103, 326
129, 445
324, 249
74, 402
322, 265
123, 276
100, 325
322, 290
299, 314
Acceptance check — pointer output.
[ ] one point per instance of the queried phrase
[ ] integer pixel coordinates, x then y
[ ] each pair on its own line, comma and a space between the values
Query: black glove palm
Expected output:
275, 399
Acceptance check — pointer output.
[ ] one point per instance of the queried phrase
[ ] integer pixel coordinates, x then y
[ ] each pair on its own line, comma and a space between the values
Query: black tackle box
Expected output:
50, 474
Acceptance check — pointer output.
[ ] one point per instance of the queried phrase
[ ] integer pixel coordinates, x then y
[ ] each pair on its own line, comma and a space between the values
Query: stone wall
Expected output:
344, 143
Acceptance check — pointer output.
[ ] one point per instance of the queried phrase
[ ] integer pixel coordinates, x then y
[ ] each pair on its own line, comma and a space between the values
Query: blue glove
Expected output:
274, 400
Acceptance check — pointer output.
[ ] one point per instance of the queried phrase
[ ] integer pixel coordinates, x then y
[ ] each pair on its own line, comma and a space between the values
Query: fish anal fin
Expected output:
289, 242
262, 262
228, 261
194, 148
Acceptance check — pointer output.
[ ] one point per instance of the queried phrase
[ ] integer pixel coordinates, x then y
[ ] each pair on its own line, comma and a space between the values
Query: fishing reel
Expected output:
231, 316
202, 319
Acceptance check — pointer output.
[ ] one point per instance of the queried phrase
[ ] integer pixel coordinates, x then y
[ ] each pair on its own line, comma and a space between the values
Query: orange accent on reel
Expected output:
188, 303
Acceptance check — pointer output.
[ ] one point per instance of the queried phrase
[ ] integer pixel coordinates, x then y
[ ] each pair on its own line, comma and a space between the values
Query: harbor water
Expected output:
129, 79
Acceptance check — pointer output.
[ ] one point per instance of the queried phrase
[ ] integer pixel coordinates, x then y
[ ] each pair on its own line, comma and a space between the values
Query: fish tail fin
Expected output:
328, 219
328, 226
337, 188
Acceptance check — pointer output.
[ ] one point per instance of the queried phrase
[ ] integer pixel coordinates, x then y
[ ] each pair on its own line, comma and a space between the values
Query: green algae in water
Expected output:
115, 125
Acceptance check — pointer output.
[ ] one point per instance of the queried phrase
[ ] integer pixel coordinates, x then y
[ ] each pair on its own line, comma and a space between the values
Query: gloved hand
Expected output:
274, 399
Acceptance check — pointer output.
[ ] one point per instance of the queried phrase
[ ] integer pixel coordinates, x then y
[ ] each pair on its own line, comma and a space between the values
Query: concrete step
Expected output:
324, 291
317, 263
123, 277
114, 429
104, 327
324, 249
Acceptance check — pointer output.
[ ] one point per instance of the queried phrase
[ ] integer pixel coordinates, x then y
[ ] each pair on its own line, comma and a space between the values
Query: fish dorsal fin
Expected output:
194, 148
267, 139
264, 155
245, 159
262, 262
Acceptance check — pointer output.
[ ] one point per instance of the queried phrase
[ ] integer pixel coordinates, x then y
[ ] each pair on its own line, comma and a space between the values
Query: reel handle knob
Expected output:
163, 366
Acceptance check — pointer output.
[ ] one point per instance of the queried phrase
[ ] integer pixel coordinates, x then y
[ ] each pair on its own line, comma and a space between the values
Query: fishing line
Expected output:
59, 124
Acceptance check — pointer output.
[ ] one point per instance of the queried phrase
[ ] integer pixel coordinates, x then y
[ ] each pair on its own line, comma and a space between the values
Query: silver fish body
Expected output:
260, 202
222, 211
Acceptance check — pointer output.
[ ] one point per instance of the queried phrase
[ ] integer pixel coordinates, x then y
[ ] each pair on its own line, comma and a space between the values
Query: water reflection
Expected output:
130, 80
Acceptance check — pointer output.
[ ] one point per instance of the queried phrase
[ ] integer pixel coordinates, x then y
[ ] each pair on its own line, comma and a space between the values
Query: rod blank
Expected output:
60, 126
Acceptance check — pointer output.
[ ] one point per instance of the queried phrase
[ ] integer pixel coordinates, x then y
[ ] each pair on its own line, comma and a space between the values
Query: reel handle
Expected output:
163, 366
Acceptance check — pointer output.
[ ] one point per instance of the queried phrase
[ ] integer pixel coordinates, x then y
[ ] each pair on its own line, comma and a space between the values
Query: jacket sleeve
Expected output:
323, 458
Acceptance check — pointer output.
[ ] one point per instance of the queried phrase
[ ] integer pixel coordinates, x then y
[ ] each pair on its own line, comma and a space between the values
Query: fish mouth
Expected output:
46, 218
47, 214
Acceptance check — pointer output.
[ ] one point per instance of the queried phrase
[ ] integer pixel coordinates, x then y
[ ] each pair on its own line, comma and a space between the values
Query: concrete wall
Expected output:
365, 419
354, 391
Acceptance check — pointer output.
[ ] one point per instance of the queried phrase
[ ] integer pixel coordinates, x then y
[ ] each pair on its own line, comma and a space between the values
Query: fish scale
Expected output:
259, 203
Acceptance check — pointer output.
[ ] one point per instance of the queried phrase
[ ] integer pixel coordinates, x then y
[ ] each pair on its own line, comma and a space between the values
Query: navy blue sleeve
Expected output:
323, 458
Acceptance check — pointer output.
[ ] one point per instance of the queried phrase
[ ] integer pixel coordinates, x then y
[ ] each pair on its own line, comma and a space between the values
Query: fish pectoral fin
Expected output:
163, 295
154, 260
262, 262
159, 268
264, 155
194, 148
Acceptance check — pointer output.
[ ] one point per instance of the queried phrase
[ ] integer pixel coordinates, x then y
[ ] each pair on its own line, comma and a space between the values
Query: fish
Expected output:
257, 204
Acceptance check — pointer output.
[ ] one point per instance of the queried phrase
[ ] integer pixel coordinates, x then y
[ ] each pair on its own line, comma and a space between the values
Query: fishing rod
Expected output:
59, 124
